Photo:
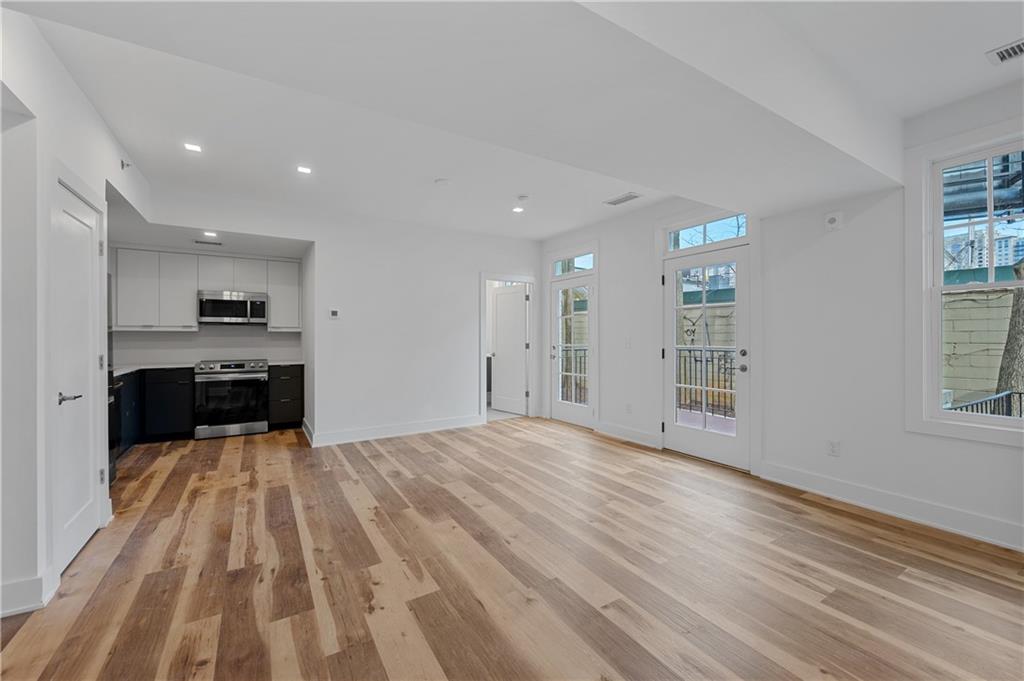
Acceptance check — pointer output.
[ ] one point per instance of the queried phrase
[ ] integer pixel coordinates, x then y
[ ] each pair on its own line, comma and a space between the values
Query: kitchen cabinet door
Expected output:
138, 289
284, 291
169, 403
178, 287
216, 273
250, 275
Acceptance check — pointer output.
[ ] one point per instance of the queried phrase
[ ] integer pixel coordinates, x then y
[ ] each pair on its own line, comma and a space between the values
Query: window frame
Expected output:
592, 252
696, 220
924, 241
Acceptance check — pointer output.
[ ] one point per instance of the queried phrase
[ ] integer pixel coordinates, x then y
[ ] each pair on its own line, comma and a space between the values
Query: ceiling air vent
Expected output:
619, 200
1006, 52
200, 242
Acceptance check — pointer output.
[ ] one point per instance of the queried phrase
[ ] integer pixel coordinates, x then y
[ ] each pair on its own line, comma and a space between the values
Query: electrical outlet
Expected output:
833, 447
334, 313
629, 407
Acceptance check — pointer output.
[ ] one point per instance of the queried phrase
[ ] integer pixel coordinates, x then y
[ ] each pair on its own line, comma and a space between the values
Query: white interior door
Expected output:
508, 363
707, 356
573, 356
73, 384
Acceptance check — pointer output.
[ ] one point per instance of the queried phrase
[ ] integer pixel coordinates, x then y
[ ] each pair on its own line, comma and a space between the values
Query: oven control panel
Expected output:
231, 366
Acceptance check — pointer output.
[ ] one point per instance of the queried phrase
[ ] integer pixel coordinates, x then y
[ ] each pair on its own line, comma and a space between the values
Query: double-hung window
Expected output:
979, 283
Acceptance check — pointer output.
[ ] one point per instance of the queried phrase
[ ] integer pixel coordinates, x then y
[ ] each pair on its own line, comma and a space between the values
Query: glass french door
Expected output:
572, 352
707, 358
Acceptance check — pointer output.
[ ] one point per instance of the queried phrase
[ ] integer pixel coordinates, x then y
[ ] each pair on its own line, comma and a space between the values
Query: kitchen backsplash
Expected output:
141, 348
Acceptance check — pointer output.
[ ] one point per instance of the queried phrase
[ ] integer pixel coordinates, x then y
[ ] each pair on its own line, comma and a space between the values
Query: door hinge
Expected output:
101, 246
102, 363
527, 297
527, 393
527, 345
103, 475
663, 280
663, 426
663, 353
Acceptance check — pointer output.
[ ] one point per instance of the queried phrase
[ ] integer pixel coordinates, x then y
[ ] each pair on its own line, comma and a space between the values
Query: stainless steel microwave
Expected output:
232, 307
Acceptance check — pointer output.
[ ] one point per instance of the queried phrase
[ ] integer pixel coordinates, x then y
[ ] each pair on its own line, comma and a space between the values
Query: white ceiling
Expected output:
126, 226
911, 56
546, 99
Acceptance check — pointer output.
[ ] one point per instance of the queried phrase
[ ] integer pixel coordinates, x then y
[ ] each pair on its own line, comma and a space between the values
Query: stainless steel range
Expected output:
231, 397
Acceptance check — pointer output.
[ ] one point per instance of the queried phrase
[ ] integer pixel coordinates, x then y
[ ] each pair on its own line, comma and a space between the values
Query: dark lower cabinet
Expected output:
168, 397
131, 412
286, 396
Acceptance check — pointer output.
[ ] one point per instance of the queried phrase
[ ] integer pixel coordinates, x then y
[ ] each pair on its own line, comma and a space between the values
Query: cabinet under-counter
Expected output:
158, 404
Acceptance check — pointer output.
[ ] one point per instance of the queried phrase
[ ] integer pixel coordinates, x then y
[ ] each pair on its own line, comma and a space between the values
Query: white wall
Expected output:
838, 375
834, 375
154, 348
404, 356
71, 139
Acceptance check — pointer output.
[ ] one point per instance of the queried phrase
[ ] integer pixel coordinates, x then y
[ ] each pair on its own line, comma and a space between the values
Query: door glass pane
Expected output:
573, 341
705, 353
721, 411
690, 406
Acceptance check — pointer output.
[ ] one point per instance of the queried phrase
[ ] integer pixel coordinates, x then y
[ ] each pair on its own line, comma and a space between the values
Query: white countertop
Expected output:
129, 368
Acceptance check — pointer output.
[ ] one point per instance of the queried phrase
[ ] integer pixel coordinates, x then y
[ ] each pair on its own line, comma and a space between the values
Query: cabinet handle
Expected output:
284, 378
286, 399
184, 382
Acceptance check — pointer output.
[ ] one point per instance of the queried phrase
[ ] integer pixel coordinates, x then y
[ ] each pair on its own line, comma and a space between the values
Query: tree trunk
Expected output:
1011, 368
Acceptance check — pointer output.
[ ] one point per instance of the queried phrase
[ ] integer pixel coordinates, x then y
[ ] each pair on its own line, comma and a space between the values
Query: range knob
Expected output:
252, 365
202, 367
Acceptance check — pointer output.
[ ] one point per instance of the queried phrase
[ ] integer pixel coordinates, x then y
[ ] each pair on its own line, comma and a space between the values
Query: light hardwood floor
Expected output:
523, 549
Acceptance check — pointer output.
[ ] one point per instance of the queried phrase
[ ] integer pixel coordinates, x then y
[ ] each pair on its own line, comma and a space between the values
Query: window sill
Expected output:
1010, 435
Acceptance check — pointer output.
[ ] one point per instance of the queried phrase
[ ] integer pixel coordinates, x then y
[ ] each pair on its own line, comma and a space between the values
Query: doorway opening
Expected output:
506, 349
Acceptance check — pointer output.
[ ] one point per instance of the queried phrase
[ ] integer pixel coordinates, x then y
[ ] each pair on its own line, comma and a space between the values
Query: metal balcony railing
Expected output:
1008, 403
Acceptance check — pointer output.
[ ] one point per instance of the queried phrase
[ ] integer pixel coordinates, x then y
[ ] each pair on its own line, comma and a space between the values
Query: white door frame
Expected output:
64, 177
531, 282
589, 279
757, 347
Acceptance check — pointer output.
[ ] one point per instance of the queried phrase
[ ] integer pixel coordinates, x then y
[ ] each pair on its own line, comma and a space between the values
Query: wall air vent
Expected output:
619, 200
1006, 52
200, 242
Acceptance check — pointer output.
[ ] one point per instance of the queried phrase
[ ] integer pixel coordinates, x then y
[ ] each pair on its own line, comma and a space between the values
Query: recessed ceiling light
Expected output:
212, 235
518, 208
304, 170
192, 147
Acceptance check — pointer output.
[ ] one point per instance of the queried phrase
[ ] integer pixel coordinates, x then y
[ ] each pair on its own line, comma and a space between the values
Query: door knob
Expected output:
62, 398
743, 368
743, 353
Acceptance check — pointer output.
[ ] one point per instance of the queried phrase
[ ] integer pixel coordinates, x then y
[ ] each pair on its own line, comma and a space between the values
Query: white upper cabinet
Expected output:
178, 285
250, 275
138, 288
216, 273
284, 291
158, 290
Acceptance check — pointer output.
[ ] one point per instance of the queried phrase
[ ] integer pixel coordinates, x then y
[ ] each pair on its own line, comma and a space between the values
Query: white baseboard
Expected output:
338, 437
959, 521
640, 437
25, 595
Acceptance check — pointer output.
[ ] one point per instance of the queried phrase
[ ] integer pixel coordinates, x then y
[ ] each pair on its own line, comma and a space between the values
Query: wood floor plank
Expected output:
522, 549
140, 641
291, 594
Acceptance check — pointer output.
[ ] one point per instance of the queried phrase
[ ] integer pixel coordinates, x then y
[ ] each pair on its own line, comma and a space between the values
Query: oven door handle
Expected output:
211, 378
